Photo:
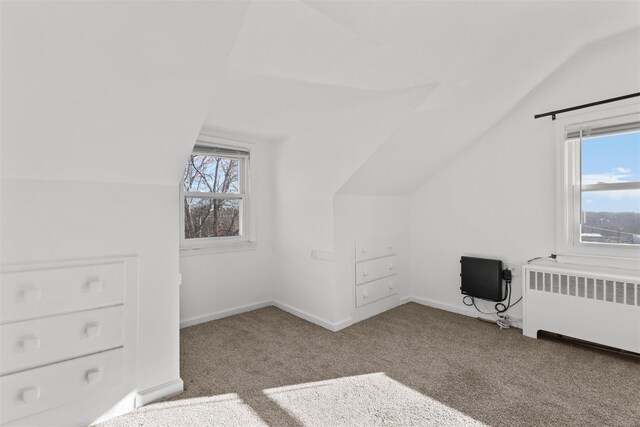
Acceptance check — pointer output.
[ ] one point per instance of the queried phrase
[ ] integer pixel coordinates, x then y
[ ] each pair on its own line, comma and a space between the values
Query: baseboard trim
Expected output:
158, 392
405, 299
334, 327
443, 306
279, 304
223, 313
124, 406
454, 309
377, 307
342, 324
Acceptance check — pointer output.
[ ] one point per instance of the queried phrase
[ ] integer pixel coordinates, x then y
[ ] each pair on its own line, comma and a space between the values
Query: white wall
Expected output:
219, 283
497, 199
101, 104
310, 169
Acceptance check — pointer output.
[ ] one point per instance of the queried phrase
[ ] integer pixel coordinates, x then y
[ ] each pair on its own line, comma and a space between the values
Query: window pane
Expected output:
212, 174
211, 217
611, 216
611, 159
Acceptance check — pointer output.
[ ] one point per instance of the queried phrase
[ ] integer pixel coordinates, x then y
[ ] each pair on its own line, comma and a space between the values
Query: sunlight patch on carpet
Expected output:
371, 399
221, 410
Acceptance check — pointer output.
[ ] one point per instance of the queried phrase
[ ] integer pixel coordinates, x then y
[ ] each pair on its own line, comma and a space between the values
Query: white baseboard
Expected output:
158, 392
454, 309
124, 406
342, 324
443, 306
334, 327
279, 304
223, 313
377, 307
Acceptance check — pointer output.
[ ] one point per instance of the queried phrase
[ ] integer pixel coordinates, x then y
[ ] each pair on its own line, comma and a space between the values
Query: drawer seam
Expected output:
63, 360
8, 322
376, 279
375, 258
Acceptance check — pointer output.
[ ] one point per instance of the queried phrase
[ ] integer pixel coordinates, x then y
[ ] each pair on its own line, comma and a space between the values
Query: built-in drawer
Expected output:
369, 271
40, 389
375, 247
374, 291
38, 293
37, 342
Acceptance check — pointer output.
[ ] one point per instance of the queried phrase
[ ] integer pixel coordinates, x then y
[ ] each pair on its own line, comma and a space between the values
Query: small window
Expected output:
214, 194
600, 185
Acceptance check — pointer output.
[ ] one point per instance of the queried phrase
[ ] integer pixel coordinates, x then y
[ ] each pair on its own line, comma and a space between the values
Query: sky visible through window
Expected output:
611, 159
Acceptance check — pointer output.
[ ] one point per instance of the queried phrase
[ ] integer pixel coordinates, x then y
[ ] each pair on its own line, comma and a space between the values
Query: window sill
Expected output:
217, 248
614, 262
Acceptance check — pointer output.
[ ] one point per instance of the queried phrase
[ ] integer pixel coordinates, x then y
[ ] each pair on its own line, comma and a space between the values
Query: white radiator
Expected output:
597, 306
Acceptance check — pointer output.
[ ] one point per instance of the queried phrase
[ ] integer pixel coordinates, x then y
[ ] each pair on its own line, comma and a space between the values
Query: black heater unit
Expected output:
482, 278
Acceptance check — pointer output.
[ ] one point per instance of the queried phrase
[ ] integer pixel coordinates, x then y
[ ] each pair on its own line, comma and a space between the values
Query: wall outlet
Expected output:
515, 269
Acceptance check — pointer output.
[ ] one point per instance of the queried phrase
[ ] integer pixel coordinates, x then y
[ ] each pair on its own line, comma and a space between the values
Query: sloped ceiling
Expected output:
293, 68
109, 91
297, 65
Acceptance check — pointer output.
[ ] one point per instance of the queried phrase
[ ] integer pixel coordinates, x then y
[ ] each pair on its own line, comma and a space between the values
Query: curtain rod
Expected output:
591, 104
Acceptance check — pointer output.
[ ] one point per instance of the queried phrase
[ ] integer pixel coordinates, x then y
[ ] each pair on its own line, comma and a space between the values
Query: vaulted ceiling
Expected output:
297, 65
128, 84
109, 91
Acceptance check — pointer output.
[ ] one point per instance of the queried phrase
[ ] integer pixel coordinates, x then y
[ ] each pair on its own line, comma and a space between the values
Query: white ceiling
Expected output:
109, 91
297, 65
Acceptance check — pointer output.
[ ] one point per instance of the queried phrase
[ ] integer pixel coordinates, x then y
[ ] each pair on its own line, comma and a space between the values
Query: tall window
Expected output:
214, 193
601, 185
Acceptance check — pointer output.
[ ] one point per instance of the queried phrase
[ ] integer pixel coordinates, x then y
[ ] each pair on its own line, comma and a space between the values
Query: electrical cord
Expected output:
500, 308
552, 257
519, 299
472, 303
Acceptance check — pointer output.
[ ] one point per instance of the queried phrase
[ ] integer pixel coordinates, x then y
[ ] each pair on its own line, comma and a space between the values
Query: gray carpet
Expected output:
412, 365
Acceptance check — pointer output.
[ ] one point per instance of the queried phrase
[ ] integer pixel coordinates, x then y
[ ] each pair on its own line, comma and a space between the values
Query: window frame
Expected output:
570, 248
245, 239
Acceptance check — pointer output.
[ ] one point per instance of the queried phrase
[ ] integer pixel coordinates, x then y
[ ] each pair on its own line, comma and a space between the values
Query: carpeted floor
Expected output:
412, 365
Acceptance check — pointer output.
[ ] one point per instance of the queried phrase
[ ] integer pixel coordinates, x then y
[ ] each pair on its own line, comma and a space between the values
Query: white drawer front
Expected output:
375, 247
51, 339
369, 271
36, 390
375, 291
37, 293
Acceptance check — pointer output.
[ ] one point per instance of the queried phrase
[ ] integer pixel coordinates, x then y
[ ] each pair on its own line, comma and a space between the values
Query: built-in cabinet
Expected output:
67, 335
376, 268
